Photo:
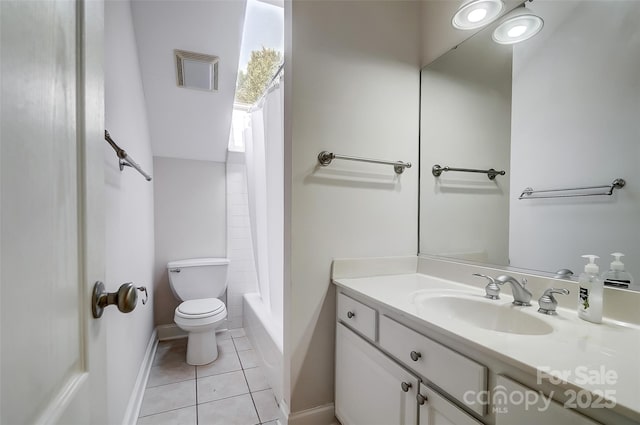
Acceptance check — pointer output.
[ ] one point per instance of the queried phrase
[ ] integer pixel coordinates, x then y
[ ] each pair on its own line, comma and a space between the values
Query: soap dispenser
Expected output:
617, 276
591, 289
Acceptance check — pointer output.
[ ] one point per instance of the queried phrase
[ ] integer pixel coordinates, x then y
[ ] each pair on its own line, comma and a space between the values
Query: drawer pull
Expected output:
351, 314
415, 356
405, 386
421, 399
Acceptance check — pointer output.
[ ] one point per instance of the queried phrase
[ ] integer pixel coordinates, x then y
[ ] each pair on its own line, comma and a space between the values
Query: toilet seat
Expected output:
200, 309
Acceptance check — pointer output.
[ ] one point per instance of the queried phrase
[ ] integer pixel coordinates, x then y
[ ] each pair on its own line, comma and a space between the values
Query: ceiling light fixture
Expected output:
476, 13
517, 26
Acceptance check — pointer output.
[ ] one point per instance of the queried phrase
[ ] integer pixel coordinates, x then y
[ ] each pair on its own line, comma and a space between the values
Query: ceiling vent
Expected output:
196, 70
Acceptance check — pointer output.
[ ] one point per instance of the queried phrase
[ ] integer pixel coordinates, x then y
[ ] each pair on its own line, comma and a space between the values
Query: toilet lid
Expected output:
205, 306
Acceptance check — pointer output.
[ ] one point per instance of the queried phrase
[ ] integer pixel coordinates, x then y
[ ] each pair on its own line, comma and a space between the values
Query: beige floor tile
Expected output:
226, 345
237, 333
184, 416
227, 361
248, 359
266, 405
242, 343
256, 379
171, 351
237, 410
171, 372
223, 335
168, 397
221, 386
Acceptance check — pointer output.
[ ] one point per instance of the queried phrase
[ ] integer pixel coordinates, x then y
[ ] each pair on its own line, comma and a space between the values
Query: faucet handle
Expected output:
492, 289
548, 302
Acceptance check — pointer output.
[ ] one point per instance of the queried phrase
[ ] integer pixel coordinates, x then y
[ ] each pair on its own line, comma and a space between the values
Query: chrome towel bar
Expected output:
325, 158
529, 193
125, 160
491, 173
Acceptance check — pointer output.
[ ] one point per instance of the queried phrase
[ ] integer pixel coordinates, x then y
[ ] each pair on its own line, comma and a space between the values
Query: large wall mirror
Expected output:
558, 111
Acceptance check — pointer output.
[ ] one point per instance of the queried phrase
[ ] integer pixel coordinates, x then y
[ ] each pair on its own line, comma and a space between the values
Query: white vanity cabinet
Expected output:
514, 408
437, 410
370, 386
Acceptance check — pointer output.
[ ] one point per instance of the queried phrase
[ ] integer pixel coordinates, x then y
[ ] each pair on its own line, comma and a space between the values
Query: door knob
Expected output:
125, 299
405, 386
415, 355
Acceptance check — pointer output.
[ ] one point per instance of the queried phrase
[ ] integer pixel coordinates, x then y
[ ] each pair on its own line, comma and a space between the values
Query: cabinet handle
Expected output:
405, 386
415, 356
421, 399
351, 314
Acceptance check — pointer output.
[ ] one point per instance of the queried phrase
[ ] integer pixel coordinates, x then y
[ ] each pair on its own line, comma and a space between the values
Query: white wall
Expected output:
466, 123
190, 220
242, 271
188, 123
351, 87
577, 129
129, 208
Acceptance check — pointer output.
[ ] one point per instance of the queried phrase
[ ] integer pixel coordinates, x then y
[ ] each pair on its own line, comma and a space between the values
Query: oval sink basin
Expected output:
482, 313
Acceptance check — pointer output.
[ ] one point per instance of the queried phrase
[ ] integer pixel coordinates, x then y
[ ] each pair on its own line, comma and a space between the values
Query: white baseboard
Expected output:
166, 332
135, 401
321, 415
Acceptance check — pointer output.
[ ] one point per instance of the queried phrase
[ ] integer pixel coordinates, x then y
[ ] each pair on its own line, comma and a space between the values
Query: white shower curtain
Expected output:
264, 151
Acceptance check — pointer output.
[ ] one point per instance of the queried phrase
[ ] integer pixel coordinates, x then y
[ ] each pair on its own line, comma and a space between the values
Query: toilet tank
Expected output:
197, 278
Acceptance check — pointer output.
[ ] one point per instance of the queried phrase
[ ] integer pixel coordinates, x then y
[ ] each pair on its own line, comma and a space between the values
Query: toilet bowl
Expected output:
198, 283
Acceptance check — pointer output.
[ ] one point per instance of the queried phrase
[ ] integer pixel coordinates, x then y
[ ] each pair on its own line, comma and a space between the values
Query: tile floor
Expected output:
230, 391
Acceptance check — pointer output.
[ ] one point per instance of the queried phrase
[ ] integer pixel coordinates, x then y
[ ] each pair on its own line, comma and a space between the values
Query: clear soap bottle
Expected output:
617, 276
591, 291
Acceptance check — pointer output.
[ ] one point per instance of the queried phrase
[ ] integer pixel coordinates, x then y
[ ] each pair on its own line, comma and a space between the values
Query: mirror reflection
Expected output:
559, 111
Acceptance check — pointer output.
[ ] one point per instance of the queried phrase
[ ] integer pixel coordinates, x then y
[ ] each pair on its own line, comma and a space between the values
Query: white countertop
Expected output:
610, 346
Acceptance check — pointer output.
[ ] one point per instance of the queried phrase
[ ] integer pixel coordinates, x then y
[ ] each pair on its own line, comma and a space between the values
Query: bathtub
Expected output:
265, 334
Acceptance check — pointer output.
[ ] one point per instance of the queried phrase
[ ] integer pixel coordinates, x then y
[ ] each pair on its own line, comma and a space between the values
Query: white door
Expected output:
370, 387
52, 225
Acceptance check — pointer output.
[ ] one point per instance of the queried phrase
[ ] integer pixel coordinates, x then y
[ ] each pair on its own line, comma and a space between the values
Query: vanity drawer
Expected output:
357, 316
453, 372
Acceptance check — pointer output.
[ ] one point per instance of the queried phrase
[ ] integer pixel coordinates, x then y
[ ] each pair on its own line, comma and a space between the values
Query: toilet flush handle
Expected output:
176, 270
125, 299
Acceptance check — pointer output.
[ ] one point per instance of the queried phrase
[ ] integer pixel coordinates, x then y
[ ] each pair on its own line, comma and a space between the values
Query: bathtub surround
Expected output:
128, 214
190, 221
353, 90
242, 272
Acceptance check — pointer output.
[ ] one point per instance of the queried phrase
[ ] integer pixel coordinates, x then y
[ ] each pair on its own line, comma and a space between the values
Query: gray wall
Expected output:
190, 220
129, 238
351, 87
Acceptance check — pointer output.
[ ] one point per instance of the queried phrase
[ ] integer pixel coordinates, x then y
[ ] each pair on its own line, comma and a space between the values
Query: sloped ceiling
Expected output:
186, 123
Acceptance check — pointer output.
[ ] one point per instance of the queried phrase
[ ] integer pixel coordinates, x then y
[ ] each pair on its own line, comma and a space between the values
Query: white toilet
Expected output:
199, 282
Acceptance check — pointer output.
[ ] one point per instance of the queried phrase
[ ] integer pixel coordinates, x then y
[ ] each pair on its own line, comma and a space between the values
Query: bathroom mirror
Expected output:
558, 111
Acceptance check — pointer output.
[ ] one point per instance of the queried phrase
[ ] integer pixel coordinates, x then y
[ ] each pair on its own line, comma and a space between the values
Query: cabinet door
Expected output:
369, 385
512, 410
436, 410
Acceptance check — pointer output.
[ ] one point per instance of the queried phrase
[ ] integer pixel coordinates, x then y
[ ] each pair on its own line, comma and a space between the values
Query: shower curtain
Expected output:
264, 151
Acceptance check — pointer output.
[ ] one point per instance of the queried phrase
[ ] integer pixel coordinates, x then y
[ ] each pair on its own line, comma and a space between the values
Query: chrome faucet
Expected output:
492, 290
548, 302
521, 296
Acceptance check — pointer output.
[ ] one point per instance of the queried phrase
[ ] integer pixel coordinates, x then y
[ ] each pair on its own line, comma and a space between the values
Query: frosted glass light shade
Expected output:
517, 27
476, 13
